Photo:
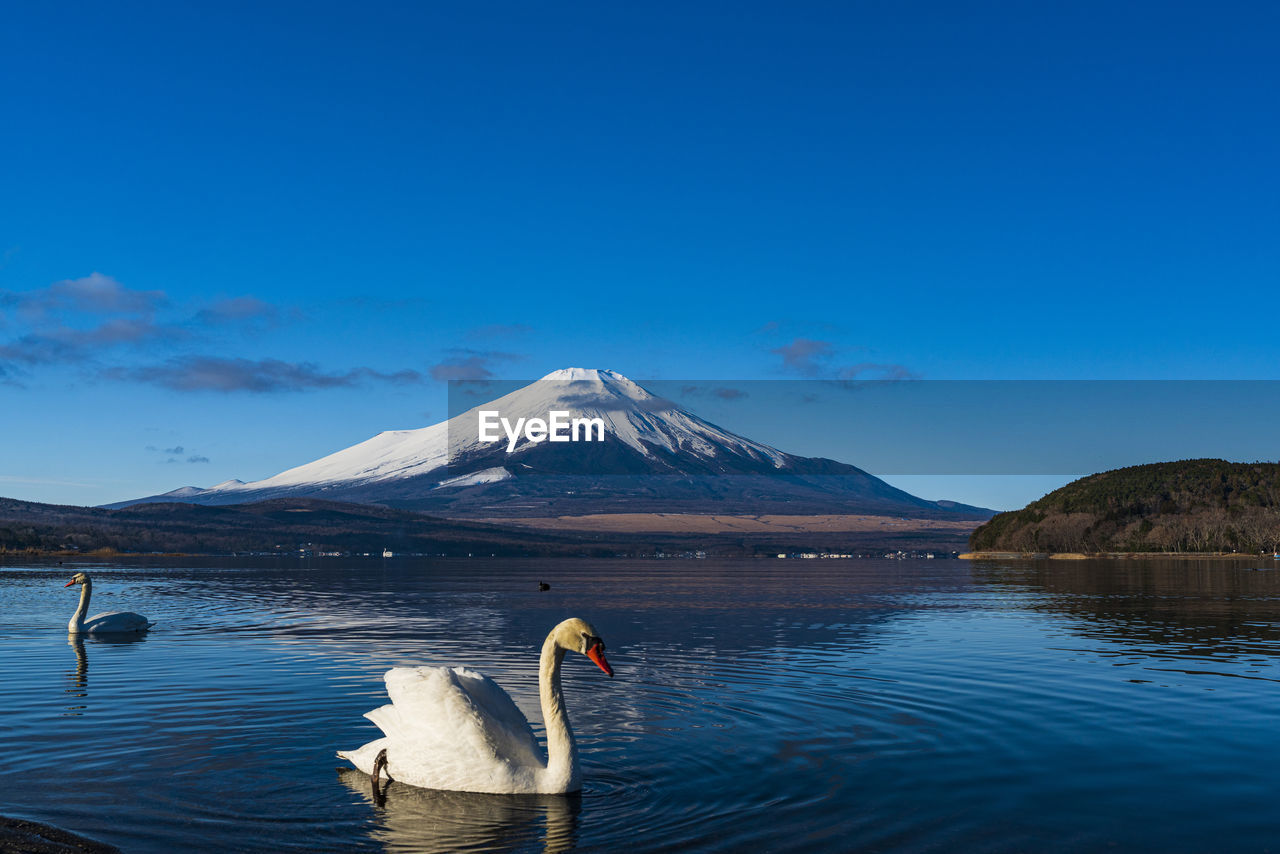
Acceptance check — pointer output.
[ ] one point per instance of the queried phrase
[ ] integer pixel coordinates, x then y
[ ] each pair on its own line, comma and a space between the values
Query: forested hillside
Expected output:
1185, 506
269, 526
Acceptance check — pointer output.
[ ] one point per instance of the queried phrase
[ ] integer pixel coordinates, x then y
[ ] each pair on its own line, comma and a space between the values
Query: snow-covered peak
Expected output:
596, 379
574, 375
629, 412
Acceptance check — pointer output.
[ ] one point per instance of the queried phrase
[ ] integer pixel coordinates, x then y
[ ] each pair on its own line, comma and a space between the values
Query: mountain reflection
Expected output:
409, 819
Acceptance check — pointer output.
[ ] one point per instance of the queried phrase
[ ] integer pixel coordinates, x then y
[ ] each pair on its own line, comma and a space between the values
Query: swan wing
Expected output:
452, 728
117, 621
456, 702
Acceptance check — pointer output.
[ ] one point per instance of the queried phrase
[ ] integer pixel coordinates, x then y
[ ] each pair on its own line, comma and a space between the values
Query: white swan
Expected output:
111, 622
452, 728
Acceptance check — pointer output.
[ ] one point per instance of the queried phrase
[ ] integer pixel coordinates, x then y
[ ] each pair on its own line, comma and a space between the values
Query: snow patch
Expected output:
183, 492
492, 475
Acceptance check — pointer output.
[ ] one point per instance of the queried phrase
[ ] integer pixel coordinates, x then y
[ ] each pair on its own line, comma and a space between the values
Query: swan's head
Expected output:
580, 636
78, 578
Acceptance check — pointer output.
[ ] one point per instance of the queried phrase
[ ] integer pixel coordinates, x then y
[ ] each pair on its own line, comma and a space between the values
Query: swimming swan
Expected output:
452, 728
112, 622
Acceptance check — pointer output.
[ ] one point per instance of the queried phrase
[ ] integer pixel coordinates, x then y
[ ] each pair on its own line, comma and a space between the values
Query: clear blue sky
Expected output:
261, 232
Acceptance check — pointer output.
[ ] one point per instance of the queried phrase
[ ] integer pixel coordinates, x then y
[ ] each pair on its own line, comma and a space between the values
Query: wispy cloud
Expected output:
235, 310
876, 372
819, 359
95, 293
175, 453
467, 364
806, 356
110, 331
722, 392
468, 368
80, 320
68, 345
215, 373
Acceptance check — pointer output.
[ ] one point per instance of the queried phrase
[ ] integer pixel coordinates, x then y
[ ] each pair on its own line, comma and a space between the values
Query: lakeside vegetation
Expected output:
269, 527
1197, 506
296, 525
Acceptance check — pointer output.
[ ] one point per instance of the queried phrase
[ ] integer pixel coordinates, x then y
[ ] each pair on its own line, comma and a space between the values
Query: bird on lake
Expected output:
454, 729
110, 622
542, 585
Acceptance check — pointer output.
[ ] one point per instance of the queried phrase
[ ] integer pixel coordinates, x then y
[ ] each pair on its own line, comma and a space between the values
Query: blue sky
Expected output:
262, 232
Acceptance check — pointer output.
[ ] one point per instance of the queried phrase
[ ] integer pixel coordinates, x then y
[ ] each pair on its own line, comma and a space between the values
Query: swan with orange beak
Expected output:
108, 623
452, 728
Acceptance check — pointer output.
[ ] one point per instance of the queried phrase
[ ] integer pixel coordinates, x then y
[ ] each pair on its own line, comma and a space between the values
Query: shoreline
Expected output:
34, 837
1115, 556
732, 523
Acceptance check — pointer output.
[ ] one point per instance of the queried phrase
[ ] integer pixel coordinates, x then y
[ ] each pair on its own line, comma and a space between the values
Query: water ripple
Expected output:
861, 705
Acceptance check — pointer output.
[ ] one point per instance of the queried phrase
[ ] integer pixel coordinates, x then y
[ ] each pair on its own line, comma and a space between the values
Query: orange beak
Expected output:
598, 657
69, 583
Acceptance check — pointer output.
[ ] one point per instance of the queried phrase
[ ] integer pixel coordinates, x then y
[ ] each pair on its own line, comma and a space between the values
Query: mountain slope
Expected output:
653, 456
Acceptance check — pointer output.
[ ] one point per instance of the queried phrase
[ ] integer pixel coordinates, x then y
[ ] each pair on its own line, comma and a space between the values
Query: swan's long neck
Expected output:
562, 751
77, 619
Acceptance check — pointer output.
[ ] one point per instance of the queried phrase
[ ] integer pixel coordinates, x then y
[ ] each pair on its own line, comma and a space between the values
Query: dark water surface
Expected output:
850, 705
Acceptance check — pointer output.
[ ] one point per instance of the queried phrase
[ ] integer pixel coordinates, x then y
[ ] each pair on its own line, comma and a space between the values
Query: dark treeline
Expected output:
1186, 506
269, 526
286, 525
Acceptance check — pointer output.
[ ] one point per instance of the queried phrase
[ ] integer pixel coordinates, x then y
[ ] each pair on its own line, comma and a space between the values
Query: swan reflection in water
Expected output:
410, 819
78, 679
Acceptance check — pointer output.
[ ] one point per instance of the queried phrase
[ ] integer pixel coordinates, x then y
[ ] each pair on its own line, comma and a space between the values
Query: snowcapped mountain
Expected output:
576, 441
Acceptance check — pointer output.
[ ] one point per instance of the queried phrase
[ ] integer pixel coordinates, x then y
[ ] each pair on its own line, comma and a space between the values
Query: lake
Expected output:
759, 705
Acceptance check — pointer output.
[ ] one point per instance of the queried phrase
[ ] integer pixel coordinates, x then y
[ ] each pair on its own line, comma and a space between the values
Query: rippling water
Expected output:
759, 705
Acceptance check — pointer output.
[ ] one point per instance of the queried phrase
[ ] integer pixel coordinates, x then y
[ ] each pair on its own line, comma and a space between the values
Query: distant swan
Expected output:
452, 728
112, 622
